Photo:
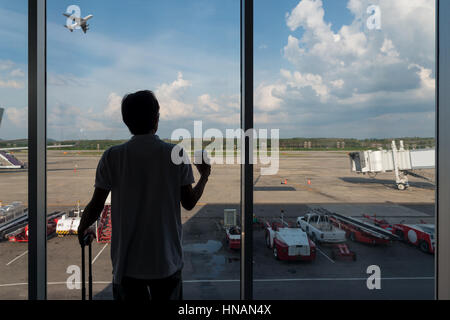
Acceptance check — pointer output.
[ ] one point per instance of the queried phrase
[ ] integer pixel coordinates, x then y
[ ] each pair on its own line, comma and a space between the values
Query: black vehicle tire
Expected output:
333, 255
352, 237
267, 240
354, 256
314, 238
401, 187
423, 245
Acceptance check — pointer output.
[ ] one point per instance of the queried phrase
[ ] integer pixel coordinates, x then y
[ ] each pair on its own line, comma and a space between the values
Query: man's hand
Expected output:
204, 169
86, 237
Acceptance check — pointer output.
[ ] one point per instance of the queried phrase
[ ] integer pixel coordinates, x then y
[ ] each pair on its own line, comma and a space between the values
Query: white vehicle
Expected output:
68, 224
232, 230
78, 22
319, 227
289, 243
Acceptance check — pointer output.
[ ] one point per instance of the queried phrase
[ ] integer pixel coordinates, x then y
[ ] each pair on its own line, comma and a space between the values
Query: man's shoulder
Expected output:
167, 145
115, 149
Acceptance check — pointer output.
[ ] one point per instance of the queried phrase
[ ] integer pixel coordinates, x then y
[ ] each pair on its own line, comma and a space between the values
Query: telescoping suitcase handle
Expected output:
88, 242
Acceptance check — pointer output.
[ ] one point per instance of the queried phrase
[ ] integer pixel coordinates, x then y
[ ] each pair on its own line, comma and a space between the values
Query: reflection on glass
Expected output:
351, 87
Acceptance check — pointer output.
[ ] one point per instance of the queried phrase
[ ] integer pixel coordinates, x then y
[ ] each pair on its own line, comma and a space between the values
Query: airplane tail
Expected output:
1, 115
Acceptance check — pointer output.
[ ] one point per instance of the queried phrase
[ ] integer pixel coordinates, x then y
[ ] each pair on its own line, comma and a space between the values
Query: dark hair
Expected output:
140, 112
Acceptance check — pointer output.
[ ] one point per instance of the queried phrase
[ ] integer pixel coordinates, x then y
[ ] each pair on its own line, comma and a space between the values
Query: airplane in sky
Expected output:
8, 160
78, 22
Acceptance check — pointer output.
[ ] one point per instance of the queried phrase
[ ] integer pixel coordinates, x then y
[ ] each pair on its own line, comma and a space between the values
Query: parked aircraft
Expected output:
8, 160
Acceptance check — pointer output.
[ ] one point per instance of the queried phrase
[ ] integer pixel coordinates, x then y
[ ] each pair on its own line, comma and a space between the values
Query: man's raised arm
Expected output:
189, 195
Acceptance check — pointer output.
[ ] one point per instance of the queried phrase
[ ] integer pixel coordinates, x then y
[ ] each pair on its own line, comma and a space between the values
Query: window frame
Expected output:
37, 130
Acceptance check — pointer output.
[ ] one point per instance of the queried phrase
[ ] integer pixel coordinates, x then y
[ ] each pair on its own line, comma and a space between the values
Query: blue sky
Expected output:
319, 71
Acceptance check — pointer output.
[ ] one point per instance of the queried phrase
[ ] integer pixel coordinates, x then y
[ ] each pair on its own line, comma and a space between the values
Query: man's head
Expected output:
140, 112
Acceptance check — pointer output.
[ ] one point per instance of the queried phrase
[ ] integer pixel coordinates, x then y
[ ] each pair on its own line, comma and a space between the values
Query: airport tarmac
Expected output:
211, 270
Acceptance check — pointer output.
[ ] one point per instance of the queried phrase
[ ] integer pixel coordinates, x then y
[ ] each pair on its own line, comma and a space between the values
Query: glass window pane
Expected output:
187, 52
13, 153
351, 87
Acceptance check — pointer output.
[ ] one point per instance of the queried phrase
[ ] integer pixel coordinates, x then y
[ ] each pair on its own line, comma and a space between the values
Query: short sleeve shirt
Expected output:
145, 185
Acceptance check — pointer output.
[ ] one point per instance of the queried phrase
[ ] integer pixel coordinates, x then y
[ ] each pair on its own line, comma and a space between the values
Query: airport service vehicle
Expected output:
319, 227
21, 235
361, 231
399, 161
233, 237
11, 216
289, 243
104, 225
232, 229
69, 222
343, 251
421, 235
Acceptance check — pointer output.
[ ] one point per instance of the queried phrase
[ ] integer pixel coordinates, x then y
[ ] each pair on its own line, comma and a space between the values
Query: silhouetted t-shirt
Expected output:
145, 188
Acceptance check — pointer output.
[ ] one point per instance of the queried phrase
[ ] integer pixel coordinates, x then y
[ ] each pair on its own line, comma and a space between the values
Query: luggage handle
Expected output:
87, 242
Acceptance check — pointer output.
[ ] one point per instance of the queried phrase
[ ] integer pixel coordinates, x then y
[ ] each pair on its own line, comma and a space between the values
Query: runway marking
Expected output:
17, 258
311, 279
237, 280
98, 254
320, 251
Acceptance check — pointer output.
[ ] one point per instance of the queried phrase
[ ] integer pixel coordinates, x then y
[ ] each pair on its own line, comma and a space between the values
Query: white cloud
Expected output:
338, 83
268, 97
18, 73
388, 48
354, 74
113, 109
5, 80
170, 98
298, 80
6, 65
11, 84
17, 116
206, 103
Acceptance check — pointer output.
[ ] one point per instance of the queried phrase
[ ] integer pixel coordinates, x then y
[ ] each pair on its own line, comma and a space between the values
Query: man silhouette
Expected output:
146, 187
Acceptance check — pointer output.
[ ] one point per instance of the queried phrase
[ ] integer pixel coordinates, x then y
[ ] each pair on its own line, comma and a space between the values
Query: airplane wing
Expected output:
88, 17
73, 17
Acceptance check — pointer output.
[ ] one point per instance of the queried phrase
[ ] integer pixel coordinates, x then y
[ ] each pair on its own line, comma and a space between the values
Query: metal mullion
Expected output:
443, 150
37, 184
246, 283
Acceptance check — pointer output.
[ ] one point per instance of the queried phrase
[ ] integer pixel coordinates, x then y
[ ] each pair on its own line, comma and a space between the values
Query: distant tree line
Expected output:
284, 144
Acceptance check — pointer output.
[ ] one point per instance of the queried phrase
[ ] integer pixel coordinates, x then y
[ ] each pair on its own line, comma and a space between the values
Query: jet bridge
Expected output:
399, 161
